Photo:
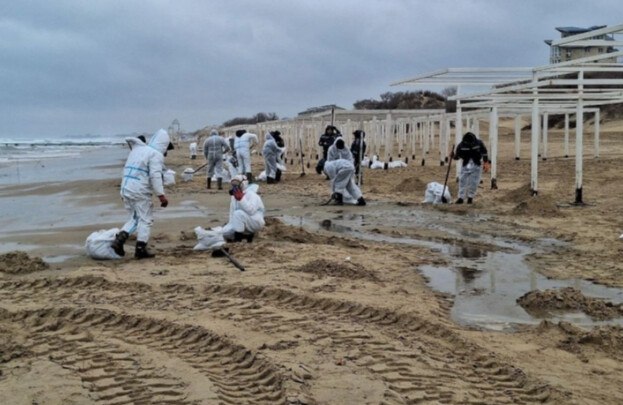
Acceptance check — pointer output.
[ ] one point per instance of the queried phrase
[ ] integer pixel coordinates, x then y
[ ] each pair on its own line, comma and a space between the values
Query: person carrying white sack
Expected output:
213, 149
341, 172
246, 211
271, 152
243, 143
142, 177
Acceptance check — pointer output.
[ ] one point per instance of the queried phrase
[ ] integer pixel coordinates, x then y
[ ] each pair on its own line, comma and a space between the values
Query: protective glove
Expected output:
486, 167
163, 201
238, 194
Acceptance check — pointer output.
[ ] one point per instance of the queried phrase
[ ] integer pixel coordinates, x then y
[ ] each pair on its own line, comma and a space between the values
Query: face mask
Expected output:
233, 189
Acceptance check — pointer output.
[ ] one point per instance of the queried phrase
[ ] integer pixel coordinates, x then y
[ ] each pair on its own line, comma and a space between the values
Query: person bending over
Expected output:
473, 152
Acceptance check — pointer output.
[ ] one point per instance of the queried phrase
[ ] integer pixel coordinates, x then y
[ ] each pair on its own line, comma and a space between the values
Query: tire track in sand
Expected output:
420, 361
97, 345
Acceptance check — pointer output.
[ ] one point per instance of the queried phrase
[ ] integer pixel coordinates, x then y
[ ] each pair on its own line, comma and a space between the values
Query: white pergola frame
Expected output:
541, 90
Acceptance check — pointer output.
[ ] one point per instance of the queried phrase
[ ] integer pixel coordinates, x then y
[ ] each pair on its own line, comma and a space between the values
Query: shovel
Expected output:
232, 260
445, 183
200, 167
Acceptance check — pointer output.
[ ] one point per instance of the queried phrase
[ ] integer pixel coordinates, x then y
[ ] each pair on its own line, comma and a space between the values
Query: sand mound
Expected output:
569, 299
410, 184
518, 194
19, 262
324, 268
608, 339
526, 204
275, 229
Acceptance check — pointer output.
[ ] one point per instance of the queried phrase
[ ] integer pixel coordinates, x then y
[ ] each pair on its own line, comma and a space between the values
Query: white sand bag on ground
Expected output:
433, 193
209, 239
98, 244
168, 178
261, 176
187, 174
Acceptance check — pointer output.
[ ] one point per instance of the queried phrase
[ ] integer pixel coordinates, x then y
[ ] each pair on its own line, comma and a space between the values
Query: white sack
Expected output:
187, 174
209, 239
168, 178
433, 193
98, 244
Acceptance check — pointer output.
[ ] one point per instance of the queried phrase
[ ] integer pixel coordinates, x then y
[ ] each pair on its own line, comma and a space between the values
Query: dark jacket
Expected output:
326, 140
471, 148
354, 149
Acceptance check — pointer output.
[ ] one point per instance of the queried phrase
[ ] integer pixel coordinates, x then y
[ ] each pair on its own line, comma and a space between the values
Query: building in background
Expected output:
560, 53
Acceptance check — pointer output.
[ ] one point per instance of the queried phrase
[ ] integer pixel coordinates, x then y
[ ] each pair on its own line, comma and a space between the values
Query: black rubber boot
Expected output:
459, 201
470, 200
339, 198
270, 180
239, 237
361, 201
278, 176
209, 183
219, 183
117, 244
141, 251
249, 177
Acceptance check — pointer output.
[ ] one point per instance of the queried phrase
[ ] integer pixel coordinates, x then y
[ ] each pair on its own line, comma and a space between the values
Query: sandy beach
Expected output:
396, 302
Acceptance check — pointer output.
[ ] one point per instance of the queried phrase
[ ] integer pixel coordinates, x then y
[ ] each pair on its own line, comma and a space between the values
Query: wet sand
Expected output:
331, 308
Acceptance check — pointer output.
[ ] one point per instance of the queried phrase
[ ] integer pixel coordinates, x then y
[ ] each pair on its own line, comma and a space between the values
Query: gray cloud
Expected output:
119, 66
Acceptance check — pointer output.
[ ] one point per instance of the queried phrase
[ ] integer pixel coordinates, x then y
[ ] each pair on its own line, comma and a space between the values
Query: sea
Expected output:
64, 158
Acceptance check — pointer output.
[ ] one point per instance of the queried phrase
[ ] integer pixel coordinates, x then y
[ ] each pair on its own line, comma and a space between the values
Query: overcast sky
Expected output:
110, 67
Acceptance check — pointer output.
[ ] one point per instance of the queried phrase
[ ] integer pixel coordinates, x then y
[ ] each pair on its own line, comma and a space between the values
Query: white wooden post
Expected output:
517, 136
596, 140
579, 134
566, 135
458, 127
545, 128
534, 144
493, 140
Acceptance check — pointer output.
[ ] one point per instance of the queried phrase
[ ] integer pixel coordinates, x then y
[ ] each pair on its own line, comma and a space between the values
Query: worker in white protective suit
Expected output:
341, 172
243, 142
246, 211
193, 150
271, 152
339, 151
142, 177
213, 149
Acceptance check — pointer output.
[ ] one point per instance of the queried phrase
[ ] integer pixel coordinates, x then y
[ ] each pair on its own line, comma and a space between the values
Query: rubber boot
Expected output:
141, 251
270, 180
239, 236
361, 201
117, 244
219, 183
459, 201
278, 176
209, 183
339, 198
470, 200
249, 177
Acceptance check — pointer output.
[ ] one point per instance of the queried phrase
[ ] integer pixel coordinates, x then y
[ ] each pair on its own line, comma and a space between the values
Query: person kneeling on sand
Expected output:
341, 172
246, 211
142, 176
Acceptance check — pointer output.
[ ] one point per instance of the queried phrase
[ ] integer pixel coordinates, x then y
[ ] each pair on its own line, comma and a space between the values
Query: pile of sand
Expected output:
411, 185
347, 269
569, 299
607, 339
19, 262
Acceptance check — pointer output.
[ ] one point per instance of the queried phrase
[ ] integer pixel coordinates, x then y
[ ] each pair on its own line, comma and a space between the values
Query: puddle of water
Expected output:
58, 258
485, 281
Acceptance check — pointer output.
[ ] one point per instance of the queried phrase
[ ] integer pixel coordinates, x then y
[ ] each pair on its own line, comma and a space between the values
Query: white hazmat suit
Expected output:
142, 176
341, 172
271, 152
336, 153
246, 216
213, 149
243, 145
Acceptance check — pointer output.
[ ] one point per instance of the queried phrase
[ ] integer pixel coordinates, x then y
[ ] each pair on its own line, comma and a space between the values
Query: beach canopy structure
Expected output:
577, 87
